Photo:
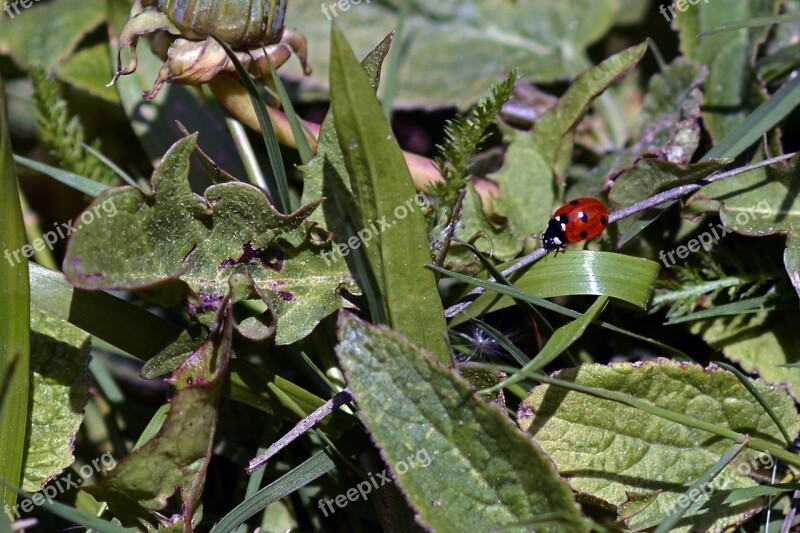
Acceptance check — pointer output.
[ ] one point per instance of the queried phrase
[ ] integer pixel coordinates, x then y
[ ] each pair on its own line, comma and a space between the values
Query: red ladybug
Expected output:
579, 220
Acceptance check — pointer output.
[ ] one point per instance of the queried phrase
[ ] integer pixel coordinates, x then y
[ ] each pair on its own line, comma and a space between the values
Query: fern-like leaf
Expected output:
463, 135
62, 134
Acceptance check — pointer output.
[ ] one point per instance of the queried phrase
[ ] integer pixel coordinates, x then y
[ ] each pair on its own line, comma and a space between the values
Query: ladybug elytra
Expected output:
579, 220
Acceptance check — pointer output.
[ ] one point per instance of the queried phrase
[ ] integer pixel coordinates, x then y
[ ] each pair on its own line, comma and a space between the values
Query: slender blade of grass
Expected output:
303, 148
710, 474
280, 196
14, 320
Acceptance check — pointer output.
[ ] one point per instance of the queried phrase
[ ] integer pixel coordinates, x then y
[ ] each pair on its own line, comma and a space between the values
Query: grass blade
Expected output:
303, 147
14, 320
280, 196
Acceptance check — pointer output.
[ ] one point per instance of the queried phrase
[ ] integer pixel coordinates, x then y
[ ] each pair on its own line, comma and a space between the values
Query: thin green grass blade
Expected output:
710, 474
396, 57
246, 153
760, 399
760, 121
14, 320
303, 148
516, 293
314, 467
750, 305
110, 164
70, 514
280, 196
74, 181
754, 22
561, 339
112, 319
503, 341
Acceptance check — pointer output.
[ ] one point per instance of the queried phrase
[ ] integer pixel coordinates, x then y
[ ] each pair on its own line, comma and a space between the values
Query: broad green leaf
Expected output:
758, 342
48, 32
174, 461
173, 235
616, 453
759, 202
14, 320
60, 390
327, 172
465, 42
89, 70
532, 177
384, 192
468, 467
120, 323
728, 57
624, 277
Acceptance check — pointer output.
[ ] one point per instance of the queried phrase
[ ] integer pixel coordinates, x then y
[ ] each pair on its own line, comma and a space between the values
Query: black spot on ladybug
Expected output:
603, 220
574, 202
563, 219
584, 235
583, 216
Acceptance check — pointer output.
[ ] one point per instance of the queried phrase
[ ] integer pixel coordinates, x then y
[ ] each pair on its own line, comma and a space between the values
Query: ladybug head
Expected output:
554, 237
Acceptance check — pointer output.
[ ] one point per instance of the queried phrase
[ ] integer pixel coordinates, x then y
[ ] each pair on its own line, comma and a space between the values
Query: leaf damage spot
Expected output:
269, 257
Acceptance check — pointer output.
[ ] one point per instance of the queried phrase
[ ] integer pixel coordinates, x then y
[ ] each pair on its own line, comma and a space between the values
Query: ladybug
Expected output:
579, 220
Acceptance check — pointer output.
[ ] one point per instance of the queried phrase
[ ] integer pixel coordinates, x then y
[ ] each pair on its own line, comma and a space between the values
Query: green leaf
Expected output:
382, 186
88, 70
759, 342
176, 458
465, 42
279, 187
74, 181
172, 235
48, 32
425, 417
559, 341
107, 317
727, 57
59, 361
303, 474
670, 129
14, 320
648, 177
624, 277
759, 122
614, 452
534, 162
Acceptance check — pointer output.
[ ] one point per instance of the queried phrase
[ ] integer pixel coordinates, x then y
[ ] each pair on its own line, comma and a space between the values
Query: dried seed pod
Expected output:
183, 38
